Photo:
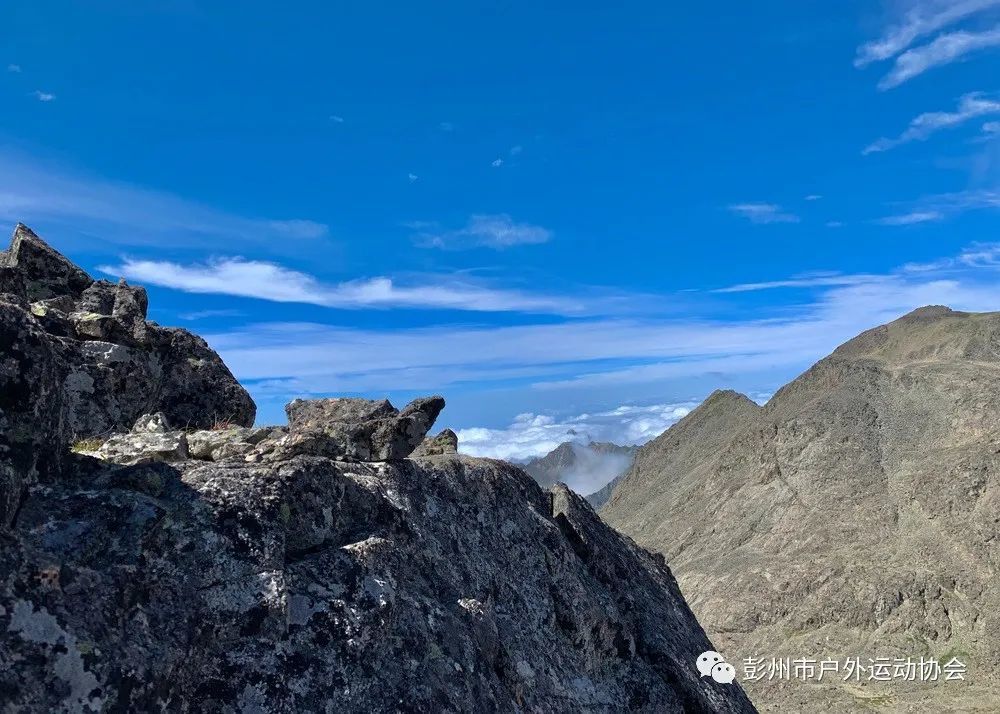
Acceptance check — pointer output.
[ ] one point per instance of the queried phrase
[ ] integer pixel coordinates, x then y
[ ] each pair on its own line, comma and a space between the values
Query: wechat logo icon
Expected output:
711, 664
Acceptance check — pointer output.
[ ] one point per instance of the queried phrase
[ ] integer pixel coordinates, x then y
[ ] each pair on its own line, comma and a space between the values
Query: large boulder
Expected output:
355, 429
44, 272
117, 365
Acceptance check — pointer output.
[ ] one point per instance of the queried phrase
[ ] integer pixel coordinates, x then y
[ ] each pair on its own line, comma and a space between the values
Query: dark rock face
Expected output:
31, 425
356, 429
450, 585
117, 365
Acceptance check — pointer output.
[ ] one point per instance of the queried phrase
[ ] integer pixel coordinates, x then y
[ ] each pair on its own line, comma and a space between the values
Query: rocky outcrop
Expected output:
446, 442
344, 429
355, 429
308, 568
855, 514
116, 365
314, 585
151, 440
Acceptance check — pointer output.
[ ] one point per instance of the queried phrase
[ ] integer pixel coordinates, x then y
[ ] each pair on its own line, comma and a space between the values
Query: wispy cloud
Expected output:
923, 18
43, 96
336, 119
515, 150
269, 281
38, 193
411, 177
943, 50
309, 359
813, 197
805, 281
943, 205
991, 127
497, 231
206, 314
496, 163
970, 106
15, 68
763, 213
912, 218
446, 126
303, 359
530, 435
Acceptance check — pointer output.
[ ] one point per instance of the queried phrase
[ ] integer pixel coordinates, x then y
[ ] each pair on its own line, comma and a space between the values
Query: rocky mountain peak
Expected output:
854, 513
928, 334
45, 271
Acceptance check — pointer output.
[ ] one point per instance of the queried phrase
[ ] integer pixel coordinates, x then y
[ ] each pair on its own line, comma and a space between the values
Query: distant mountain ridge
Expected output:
855, 514
585, 467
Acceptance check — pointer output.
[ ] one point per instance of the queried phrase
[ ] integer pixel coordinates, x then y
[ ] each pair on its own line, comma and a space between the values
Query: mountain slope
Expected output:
856, 514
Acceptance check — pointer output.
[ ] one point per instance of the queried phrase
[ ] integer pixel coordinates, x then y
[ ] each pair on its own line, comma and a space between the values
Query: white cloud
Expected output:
43, 96
336, 119
531, 435
940, 206
15, 68
412, 177
763, 213
991, 127
943, 50
924, 17
269, 281
970, 106
496, 163
808, 281
912, 218
310, 359
205, 314
491, 231
296, 229
44, 195
813, 197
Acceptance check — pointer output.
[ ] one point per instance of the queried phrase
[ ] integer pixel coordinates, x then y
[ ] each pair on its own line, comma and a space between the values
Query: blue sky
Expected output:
559, 215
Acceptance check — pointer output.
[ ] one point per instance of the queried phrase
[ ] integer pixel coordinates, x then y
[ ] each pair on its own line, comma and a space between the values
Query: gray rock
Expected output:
152, 424
446, 442
232, 443
43, 272
117, 366
144, 447
354, 429
98, 299
32, 432
448, 585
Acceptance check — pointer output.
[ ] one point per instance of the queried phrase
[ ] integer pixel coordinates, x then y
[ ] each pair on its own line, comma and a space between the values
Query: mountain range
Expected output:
856, 514
587, 467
